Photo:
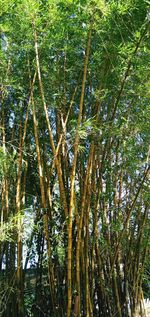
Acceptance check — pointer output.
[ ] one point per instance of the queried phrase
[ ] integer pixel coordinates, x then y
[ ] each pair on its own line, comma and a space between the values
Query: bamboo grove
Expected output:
74, 158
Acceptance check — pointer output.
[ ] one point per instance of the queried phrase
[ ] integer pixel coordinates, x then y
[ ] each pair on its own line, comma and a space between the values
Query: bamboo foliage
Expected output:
74, 158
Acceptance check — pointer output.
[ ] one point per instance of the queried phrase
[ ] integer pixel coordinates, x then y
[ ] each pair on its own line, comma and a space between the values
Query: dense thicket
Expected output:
74, 157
